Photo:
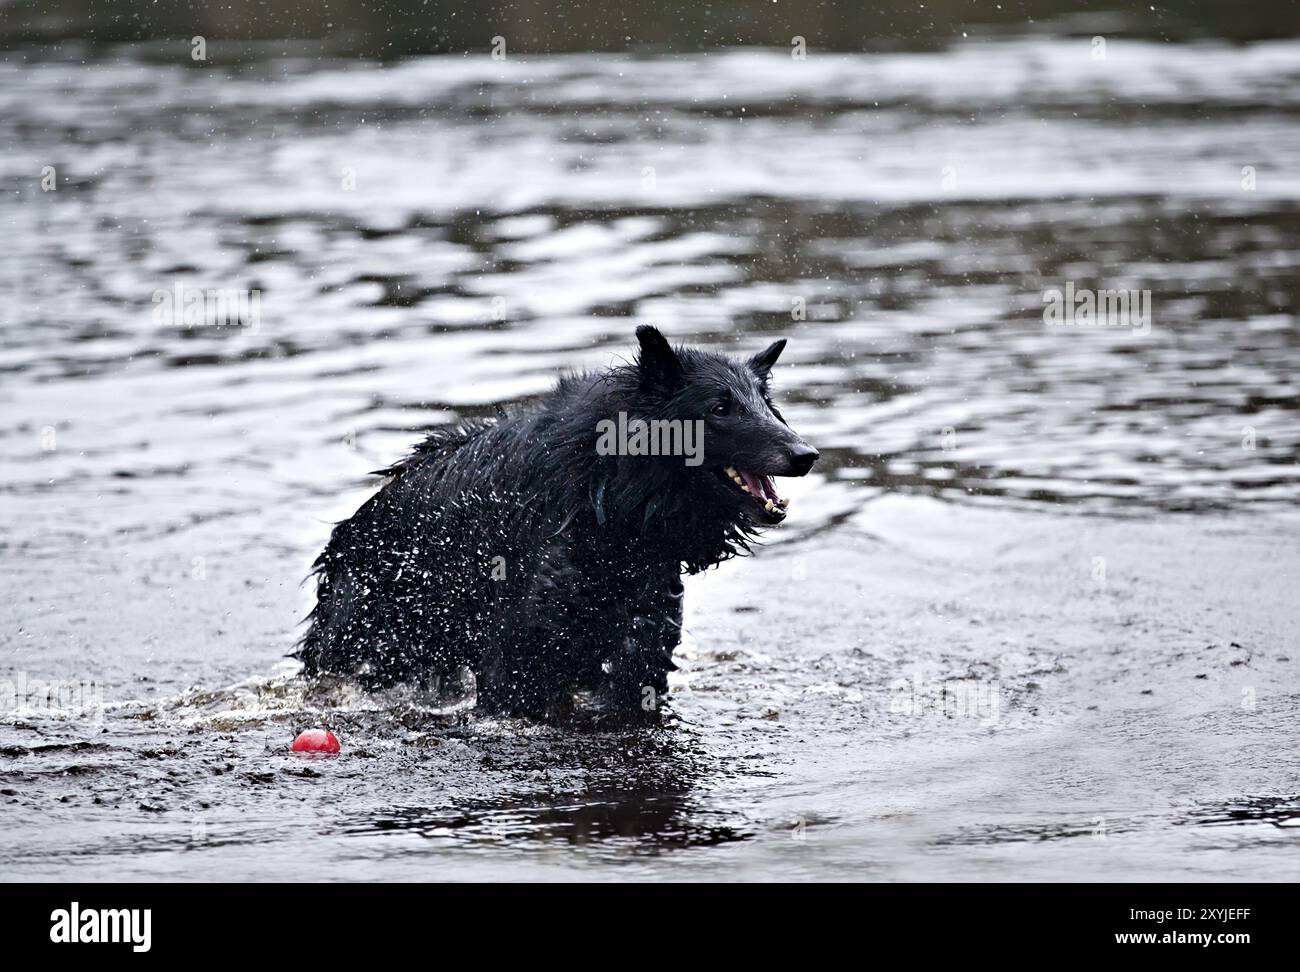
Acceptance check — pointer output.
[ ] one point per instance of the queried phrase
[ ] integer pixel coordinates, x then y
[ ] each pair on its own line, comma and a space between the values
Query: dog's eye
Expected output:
723, 407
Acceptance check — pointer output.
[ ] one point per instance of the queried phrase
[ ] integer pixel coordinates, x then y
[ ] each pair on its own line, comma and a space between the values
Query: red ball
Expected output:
316, 741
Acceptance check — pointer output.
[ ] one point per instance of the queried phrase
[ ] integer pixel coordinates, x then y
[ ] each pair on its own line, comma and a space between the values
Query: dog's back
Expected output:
378, 597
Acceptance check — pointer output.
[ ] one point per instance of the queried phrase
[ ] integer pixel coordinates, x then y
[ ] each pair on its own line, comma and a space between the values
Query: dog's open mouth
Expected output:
761, 490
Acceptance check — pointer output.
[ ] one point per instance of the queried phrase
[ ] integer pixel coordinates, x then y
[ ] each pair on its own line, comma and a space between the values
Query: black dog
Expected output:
546, 557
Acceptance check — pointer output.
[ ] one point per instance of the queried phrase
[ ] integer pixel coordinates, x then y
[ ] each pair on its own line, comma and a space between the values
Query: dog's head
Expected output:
745, 441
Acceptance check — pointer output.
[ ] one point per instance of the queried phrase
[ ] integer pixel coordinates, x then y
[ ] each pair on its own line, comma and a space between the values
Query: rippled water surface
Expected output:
1094, 527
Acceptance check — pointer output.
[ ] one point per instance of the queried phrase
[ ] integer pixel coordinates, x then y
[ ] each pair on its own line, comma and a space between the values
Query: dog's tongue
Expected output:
759, 486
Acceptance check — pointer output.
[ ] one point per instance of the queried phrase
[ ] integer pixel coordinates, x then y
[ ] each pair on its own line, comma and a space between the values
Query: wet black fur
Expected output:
409, 589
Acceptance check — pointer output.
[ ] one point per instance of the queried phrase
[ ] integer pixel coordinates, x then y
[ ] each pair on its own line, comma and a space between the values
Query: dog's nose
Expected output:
802, 458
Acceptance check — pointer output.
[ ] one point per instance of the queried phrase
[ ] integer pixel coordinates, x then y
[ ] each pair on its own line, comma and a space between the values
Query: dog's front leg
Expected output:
539, 653
638, 655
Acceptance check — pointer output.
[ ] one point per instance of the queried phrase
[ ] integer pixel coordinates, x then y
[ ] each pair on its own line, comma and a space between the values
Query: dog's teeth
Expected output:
783, 503
767, 505
730, 471
738, 480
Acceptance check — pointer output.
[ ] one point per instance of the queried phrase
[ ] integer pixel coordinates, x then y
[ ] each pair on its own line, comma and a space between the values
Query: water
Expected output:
1086, 536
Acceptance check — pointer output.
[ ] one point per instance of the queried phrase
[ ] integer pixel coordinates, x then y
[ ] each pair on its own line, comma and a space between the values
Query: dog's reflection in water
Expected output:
635, 790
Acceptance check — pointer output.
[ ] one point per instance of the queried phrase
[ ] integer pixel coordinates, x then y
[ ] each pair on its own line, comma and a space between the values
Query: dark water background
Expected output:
1095, 526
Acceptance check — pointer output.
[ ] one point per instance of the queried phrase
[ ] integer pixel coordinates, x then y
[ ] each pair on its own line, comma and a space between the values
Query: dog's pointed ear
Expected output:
761, 363
658, 362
